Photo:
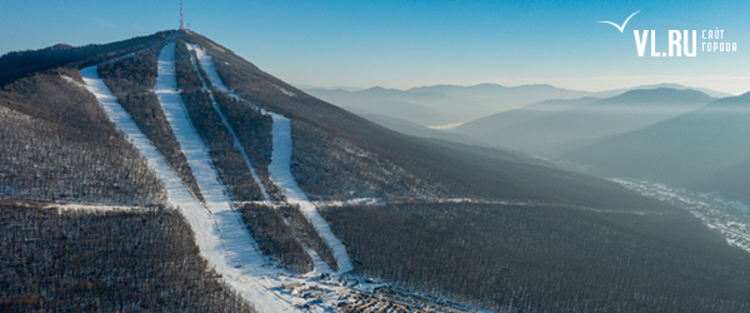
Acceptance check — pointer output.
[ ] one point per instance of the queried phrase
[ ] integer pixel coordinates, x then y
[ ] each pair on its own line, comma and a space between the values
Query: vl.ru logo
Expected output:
679, 43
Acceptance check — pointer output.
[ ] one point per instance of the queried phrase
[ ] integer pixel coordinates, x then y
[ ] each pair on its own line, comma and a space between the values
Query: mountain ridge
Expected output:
438, 206
445, 104
579, 122
663, 95
705, 140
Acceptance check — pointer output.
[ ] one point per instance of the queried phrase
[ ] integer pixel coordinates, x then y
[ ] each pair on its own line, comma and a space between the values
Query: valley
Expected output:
294, 204
730, 218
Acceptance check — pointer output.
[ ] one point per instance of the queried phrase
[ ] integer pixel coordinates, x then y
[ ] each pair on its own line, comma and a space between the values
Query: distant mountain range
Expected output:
274, 182
708, 148
449, 104
554, 126
665, 133
420, 131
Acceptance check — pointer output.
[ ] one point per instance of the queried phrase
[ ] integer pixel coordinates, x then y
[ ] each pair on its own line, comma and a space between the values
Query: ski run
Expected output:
280, 169
224, 256
223, 238
225, 241
231, 130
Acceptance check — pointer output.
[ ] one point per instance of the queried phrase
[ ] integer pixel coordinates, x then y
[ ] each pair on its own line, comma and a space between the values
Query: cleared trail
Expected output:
223, 239
282, 174
280, 169
224, 120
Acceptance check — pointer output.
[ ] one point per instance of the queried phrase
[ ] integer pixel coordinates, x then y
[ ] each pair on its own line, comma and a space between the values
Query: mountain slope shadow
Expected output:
572, 242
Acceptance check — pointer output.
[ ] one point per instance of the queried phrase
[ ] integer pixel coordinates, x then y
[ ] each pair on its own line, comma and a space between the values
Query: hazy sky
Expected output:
402, 44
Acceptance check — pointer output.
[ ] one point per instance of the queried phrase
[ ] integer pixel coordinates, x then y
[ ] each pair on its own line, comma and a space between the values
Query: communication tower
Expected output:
182, 21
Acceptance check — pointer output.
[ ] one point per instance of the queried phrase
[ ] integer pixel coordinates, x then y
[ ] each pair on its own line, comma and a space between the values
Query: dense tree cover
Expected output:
448, 171
56, 96
275, 237
330, 168
132, 80
253, 130
57, 143
648, 257
15, 65
134, 261
284, 234
307, 234
228, 160
548, 259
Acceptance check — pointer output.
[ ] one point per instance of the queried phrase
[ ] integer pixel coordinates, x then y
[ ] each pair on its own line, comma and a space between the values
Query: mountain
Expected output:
530, 112
81, 211
442, 104
731, 182
684, 151
416, 130
273, 181
710, 92
449, 104
388, 102
450, 139
476, 175
576, 123
379, 250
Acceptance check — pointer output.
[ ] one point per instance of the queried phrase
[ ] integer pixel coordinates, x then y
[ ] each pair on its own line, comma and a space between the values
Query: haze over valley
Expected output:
529, 160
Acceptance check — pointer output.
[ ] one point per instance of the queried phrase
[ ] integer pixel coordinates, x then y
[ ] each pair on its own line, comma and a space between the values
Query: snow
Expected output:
730, 218
93, 207
281, 173
350, 202
208, 66
286, 92
72, 81
234, 231
280, 169
127, 56
223, 241
237, 143
319, 266
240, 259
221, 236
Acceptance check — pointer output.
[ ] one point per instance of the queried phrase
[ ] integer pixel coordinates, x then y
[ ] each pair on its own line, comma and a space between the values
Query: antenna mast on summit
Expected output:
182, 21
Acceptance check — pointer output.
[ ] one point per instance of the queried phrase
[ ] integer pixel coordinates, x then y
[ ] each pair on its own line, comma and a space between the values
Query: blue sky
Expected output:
402, 44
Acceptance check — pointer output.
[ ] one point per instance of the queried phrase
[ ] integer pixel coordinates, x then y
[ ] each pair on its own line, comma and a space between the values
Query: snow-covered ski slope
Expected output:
224, 120
223, 247
234, 232
282, 174
223, 240
208, 66
280, 169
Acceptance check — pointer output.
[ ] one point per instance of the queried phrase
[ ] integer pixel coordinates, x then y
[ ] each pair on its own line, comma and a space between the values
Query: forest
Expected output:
275, 237
142, 260
283, 233
495, 229
227, 159
329, 167
253, 130
59, 145
547, 258
132, 80
18, 64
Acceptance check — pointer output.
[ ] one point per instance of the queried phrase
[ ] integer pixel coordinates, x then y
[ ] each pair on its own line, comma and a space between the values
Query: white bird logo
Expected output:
621, 28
